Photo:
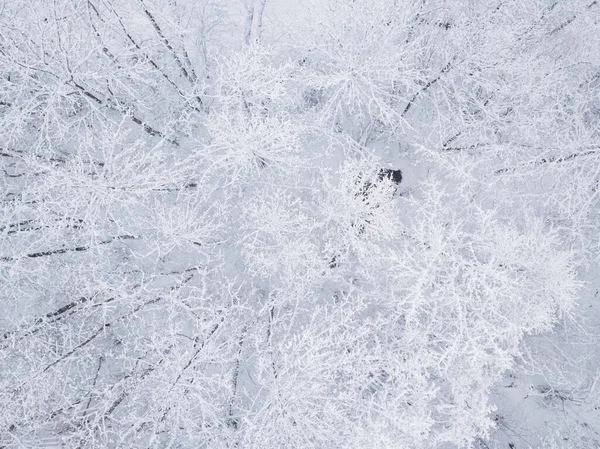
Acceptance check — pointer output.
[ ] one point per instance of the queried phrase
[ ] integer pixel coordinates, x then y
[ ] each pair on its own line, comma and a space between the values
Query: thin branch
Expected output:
153, 132
167, 43
232, 420
100, 361
446, 69
548, 160
76, 348
17, 227
68, 250
146, 58
50, 317
199, 347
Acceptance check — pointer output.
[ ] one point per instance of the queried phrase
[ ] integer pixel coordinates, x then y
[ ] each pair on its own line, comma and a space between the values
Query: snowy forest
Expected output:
328, 224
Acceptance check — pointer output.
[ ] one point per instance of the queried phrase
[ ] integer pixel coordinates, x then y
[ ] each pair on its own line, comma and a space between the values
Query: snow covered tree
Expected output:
198, 248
